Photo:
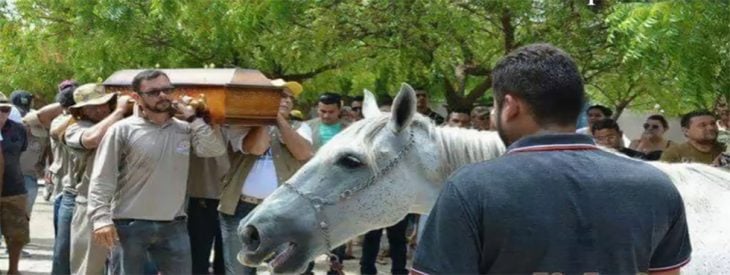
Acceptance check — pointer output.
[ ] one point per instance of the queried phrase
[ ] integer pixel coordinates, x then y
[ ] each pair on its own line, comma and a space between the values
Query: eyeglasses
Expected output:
652, 126
5, 109
156, 92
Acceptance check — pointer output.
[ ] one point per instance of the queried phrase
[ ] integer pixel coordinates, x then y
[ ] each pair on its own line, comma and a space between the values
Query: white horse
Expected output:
390, 164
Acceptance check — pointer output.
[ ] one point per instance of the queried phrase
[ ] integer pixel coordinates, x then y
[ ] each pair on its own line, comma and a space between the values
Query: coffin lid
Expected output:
207, 77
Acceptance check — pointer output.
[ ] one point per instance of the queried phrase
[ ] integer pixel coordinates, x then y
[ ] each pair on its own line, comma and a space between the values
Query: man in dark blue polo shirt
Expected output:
554, 202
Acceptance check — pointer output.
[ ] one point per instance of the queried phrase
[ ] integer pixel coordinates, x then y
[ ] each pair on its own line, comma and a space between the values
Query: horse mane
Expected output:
459, 146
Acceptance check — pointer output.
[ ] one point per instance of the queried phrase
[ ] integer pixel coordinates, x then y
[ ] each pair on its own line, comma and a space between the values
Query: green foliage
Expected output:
632, 55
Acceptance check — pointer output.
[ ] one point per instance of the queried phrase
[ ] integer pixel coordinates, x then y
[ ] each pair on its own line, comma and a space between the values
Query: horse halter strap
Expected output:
317, 203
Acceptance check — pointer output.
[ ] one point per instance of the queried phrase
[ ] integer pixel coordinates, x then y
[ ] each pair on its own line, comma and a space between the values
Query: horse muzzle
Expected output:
280, 234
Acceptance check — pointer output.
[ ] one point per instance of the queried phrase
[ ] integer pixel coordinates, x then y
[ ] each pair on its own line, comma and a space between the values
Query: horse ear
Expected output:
369, 105
404, 107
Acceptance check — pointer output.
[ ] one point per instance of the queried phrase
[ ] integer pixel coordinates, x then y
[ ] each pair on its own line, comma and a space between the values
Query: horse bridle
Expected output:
317, 203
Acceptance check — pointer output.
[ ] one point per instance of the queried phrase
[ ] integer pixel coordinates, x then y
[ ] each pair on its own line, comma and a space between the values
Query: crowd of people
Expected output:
143, 183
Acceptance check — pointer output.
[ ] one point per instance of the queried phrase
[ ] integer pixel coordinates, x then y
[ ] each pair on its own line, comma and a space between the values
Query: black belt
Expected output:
178, 218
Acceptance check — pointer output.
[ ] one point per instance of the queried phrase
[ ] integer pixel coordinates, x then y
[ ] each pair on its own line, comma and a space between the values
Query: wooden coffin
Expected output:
233, 96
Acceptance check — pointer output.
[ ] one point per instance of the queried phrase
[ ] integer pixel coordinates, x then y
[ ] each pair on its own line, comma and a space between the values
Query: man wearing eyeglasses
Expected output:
142, 166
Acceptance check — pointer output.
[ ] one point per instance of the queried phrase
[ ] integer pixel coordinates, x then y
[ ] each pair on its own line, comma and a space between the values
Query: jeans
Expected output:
56, 206
398, 248
229, 229
31, 185
166, 242
204, 230
62, 245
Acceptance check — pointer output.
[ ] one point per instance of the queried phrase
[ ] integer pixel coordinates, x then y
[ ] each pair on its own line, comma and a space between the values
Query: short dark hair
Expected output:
688, 116
358, 98
605, 110
606, 123
146, 75
661, 120
330, 98
546, 78
460, 110
65, 95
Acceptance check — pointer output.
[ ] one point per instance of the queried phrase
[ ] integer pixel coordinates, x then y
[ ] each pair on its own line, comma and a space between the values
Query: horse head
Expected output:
368, 176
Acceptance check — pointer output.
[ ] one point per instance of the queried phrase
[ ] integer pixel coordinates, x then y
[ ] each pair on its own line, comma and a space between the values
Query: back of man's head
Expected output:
546, 79
687, 118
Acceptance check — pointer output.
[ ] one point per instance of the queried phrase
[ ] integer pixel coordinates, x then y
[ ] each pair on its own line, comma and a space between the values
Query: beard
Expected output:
500, 129
162, 106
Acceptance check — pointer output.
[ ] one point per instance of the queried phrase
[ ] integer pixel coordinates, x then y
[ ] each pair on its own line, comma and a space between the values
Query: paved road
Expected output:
41, 246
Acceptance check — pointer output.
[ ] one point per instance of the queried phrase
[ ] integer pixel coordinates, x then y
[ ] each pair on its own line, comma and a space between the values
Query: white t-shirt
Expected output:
261, 180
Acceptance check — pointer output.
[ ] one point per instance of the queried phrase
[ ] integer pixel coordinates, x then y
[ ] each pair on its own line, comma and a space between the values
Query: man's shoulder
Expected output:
60, 120
490, 174
679, 147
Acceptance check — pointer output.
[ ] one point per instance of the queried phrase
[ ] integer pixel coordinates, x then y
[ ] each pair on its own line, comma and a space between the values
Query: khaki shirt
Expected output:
61, 157
81, 159
141, 169
685, 152
31, 161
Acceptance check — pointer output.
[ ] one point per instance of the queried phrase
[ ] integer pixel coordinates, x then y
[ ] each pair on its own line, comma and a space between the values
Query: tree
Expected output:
632, 55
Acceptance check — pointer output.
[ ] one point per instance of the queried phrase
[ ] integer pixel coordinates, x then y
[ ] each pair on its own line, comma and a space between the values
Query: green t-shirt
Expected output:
685, 152
326, 132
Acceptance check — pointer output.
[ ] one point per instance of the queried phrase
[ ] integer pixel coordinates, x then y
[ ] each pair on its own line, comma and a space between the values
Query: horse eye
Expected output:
349, 161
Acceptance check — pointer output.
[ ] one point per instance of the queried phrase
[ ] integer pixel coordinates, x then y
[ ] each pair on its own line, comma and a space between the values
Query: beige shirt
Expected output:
141, 169
61, 158
30, 160
81, 159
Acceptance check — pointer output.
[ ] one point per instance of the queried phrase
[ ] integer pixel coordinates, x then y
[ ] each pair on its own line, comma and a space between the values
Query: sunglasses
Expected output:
652, 126
156, 92
5, 109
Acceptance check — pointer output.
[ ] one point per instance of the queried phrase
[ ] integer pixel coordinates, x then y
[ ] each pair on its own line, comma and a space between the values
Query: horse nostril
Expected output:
251, 238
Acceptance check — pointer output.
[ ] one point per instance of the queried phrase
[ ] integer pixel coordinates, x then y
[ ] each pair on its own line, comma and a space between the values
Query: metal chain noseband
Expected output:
317, 203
